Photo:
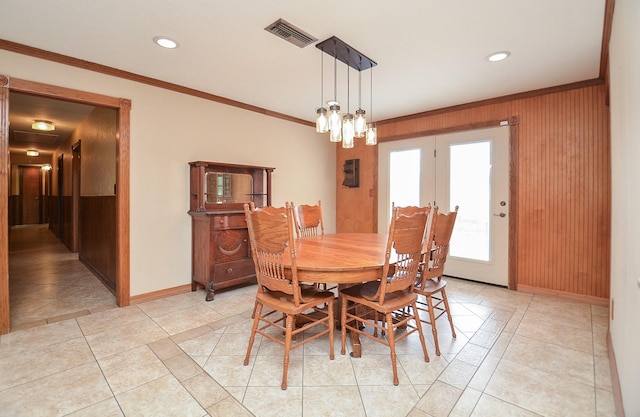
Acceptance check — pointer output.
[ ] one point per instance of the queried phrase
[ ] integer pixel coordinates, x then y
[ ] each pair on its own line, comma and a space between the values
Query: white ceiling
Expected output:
430, 53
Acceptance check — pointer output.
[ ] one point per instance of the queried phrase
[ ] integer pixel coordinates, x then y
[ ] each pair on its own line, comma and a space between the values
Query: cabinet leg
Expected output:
209, 288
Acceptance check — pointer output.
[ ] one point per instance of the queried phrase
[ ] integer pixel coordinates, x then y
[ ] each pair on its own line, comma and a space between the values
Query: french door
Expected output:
466, 169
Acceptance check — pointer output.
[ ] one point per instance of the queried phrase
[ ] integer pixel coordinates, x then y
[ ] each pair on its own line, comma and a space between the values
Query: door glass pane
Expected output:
404, 178
470, 188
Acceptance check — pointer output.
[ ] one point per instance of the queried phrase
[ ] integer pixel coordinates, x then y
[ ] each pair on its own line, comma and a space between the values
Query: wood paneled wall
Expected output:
98, 237
563, 185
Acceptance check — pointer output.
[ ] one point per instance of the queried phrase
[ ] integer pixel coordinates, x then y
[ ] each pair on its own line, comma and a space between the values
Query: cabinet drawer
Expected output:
229, 222
232, 270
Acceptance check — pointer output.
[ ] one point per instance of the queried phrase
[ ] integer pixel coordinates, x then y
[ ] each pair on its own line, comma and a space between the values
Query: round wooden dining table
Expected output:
341, 258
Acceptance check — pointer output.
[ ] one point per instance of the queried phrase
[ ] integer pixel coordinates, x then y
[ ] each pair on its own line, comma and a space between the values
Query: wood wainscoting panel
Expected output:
67, 221
563, 183
14, 210
98, 237
54, 223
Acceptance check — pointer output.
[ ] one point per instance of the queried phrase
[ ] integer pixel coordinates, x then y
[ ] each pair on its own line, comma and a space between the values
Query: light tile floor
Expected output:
515, 355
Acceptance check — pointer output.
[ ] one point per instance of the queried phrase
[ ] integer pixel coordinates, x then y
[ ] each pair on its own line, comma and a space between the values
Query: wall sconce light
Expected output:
46, 167
44, 125
32, 152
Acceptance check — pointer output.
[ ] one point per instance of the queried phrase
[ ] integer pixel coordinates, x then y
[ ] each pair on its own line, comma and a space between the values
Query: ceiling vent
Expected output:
290, 33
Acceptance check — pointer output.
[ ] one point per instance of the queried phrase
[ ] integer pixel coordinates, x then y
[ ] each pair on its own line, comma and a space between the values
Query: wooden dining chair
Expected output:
308, 219
409, 210
391, 296
308, 222
274, 256
431, 285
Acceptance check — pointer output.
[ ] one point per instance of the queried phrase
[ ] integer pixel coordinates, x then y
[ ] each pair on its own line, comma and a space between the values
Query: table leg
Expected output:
355, 337
357, 346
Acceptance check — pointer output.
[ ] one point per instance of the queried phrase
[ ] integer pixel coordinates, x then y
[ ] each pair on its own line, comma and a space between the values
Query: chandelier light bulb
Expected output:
335, 135
372, 134
335, 121
348, 132
360, 123
322, 121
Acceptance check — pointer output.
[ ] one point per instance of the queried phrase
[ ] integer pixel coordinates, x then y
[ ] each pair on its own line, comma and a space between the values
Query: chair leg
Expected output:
343, 325
432, 319
392, 347
287, 349
446, 305
377, 316
416, 318
257, 310
332, 325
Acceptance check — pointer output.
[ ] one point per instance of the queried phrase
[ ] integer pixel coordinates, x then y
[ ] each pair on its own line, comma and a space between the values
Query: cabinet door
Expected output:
230, 245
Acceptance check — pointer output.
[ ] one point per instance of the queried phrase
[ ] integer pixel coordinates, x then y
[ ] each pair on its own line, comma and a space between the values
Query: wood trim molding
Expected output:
514, 200
444, 130
606, 36
615, 377
123, 260
154, 295
103, 69
604, 302
5, 321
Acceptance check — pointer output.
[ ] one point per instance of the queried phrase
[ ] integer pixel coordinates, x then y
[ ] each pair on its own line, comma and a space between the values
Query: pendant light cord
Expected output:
335, 76
321, 80
348, 91
371, 92
360, 84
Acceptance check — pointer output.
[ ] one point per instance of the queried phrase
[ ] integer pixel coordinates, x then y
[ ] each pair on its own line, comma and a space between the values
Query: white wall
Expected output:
625, 154
168, 130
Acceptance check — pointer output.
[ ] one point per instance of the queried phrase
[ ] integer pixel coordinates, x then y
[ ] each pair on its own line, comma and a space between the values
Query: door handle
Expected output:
500, 215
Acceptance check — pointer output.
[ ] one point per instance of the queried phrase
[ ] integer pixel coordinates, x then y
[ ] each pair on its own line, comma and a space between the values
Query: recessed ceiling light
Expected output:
498, 56
165, 42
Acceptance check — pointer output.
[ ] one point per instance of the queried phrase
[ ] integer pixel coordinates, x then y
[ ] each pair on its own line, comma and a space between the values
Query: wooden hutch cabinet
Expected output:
221, 253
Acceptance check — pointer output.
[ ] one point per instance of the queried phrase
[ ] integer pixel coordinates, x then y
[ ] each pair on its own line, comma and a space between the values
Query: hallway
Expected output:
47, 283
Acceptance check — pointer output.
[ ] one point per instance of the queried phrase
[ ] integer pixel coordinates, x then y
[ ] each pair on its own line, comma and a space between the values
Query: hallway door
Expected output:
30, 193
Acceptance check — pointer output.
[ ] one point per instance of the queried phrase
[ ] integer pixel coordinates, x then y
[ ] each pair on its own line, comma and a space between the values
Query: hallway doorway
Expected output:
122, 108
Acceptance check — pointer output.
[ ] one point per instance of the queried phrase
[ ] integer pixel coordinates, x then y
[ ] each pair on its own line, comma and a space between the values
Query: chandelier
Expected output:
345, 127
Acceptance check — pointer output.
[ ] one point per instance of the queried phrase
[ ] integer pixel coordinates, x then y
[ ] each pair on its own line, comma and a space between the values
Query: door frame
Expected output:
513, 123
123, 108
60, 198
76, 151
